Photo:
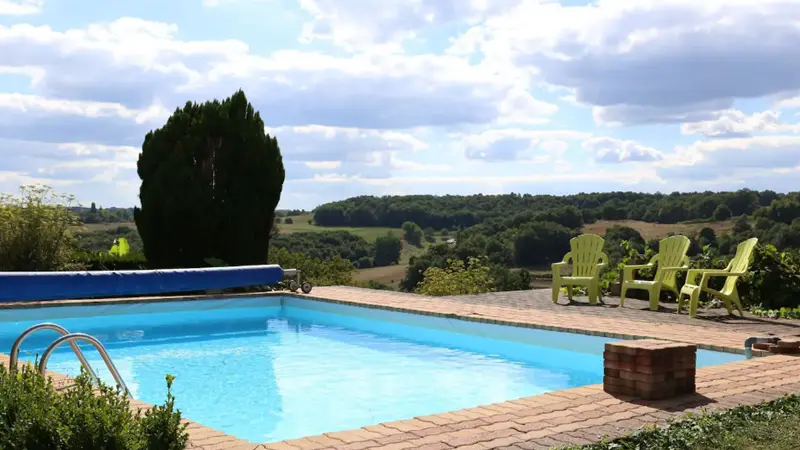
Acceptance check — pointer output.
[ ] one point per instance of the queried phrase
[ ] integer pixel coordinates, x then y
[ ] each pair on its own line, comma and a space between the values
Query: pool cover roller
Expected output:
37, 286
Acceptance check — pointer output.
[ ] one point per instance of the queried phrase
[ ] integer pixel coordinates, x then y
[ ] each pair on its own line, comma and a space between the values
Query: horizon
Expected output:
434, 98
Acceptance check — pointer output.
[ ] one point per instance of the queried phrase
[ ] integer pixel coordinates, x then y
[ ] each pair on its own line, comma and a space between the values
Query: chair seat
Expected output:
642, 283
577, 279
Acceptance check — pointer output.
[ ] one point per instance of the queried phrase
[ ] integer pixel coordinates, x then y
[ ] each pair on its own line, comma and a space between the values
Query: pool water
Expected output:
272, 368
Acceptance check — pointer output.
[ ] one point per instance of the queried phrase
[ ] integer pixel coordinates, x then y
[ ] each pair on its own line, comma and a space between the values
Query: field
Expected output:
301, 224
658, 230
92, 227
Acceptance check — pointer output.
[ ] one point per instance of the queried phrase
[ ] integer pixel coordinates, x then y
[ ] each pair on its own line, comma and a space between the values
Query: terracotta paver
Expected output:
574, 416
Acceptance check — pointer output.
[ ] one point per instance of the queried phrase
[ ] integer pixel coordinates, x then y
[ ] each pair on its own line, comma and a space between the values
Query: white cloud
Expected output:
652, 60
20, 7
610, 150
136, 63
358, 24
519, 144
733, 123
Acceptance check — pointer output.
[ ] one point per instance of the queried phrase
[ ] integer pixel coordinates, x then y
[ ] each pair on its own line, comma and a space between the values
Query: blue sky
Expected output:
413, 96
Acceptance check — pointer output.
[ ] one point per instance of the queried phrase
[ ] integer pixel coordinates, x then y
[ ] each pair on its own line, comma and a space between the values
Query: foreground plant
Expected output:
770, 425
34, 416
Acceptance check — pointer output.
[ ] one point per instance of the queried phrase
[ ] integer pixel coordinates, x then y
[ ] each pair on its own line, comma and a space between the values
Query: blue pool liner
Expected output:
38, 286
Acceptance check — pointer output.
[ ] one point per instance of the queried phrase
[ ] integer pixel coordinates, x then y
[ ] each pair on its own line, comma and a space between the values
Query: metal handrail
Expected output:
53, 327
97, 344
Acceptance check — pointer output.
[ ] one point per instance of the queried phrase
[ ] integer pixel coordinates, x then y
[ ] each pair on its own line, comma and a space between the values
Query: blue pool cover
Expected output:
36, 286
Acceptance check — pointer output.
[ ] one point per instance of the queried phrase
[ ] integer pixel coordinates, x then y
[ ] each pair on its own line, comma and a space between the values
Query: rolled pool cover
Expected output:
38, 286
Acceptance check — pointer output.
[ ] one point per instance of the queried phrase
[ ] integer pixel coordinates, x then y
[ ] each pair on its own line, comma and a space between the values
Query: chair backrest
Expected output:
671, 253
740, 263
587, 251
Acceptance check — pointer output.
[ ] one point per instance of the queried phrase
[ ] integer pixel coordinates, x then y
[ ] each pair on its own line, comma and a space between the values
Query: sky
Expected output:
379, 97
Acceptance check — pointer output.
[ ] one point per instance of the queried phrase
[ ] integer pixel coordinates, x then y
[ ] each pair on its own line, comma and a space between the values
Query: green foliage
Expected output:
365, 262
100, 240
722, 213
627, 254
104, 261
34, 416
211, 179
330, 272
325, 245
457, 278
35, 230
743, 427
120, 247
387, 250
93, 214
773, 281
288, 221
412, 233
783, 313
373, 284
540, 242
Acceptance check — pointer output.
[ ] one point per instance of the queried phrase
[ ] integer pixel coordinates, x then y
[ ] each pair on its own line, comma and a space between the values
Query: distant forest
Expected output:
460, 212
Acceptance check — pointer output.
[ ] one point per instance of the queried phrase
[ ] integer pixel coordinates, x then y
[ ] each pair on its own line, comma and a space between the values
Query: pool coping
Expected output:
476, 427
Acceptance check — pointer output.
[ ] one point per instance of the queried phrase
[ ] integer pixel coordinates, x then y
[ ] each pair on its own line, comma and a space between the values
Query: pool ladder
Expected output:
66, 336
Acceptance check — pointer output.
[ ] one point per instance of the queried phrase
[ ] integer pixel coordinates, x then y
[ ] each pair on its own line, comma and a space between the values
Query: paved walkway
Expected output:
574, 416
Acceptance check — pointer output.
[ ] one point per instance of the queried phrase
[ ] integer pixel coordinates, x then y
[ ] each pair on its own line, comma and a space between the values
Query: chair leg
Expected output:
680, 302
592, 293
655, 293
737, 302
556, 292
693, 301
569, 292
623, 290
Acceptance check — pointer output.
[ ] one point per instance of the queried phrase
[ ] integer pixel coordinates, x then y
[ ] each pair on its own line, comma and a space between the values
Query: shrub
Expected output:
333, 272
35, 416
457, 278
773, 281
412, 233
104, 261
35, 230
288, 221
365, 262
387, 250
723, 212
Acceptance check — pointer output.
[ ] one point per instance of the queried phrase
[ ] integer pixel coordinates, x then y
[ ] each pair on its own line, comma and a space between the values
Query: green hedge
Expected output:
34, 416
104, 261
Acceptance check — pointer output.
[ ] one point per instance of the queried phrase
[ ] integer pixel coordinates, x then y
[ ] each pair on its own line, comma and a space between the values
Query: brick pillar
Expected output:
649, 368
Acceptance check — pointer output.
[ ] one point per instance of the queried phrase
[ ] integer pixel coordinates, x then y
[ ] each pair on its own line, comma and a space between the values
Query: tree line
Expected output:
459, 212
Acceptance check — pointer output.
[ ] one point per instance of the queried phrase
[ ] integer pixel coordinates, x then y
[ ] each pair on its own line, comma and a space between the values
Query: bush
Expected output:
104, 261
773, 281
722, 213
365, 262
288, 221
387, 250
35, 416
412, 233
35, 230
457, 279
333, 272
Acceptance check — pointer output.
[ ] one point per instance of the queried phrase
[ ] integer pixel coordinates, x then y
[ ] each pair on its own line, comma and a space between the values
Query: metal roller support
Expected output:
97, 344
53, 327
297, 283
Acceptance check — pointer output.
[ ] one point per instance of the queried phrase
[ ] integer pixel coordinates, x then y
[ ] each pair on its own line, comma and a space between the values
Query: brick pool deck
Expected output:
573, 416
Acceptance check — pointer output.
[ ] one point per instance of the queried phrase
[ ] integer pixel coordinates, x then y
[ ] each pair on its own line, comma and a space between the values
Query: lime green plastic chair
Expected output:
671, 259
728, 294
586, 254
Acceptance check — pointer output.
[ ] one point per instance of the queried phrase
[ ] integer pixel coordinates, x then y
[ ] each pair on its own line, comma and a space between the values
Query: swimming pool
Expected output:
273, 368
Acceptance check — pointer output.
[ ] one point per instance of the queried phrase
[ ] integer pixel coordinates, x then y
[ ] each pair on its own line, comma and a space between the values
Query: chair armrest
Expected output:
629, 269
693, 273
598, 268
676, 269
557, 267
717, 273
